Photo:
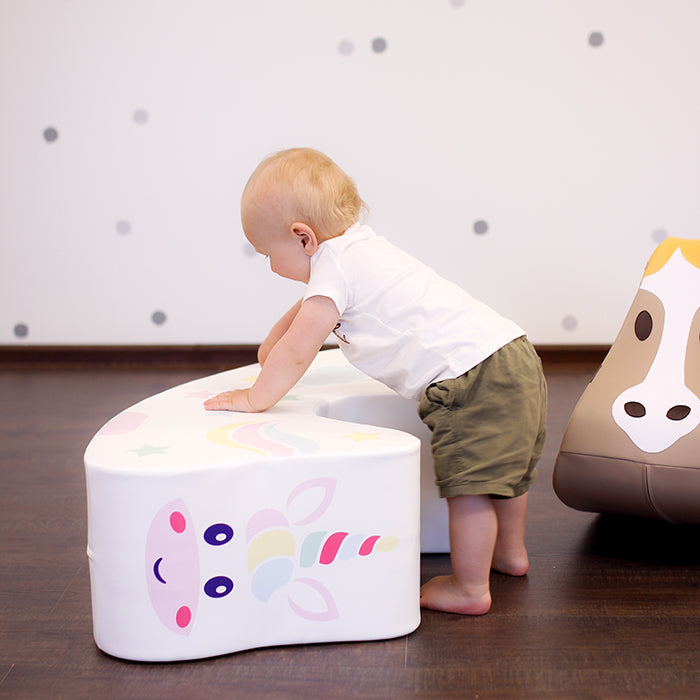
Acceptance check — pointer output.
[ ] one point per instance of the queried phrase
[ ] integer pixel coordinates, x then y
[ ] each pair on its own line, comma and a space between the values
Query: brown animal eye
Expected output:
643, 325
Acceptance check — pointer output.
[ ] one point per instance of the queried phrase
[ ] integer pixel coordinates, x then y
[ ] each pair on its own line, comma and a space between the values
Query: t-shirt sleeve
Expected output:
327, 280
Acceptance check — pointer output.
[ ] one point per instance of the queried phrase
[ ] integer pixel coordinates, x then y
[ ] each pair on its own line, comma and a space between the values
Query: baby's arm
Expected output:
278, 330
287, 360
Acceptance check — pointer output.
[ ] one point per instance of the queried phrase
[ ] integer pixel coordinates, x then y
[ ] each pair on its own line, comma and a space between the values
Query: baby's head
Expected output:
302, 185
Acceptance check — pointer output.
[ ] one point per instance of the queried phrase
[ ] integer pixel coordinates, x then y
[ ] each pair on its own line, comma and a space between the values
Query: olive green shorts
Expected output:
489, 425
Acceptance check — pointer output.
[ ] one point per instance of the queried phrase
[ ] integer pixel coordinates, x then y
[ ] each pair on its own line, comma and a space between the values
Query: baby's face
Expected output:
268, 231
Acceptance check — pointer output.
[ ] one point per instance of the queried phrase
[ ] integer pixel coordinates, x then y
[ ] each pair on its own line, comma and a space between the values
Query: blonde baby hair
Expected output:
323, 196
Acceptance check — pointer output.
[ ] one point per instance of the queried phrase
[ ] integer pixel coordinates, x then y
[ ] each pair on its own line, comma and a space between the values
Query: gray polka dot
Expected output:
21, 330
50, 134
570, 323
346, 47
456, 3
140, 116
379, 45
659, 235
595, 39
159, 318
123, 227
249, 251
480, 227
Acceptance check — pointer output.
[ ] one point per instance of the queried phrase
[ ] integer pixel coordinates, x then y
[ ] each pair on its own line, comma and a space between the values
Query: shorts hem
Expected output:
484, 490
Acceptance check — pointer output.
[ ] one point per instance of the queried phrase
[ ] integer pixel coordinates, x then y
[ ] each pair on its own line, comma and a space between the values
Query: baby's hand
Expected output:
237, 400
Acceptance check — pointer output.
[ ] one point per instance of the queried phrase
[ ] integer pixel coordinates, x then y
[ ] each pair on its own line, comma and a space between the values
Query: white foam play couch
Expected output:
215, 532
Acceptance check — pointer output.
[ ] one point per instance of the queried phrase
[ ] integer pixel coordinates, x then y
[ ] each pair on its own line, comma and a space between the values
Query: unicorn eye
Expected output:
643, 325
218, 534
218, 586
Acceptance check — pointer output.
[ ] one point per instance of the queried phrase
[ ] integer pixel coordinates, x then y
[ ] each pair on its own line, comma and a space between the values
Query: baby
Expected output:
480, 383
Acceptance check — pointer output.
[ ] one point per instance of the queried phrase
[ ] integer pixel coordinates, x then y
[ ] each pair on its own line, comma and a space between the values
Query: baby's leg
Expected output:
473, 530
510, 555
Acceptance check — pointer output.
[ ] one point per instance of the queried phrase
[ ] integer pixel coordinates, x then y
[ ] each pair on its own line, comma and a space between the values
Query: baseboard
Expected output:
572, 355
210, 357
214, 357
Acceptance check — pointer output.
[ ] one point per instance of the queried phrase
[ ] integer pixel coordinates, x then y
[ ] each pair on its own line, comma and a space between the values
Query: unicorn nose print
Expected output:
634, 409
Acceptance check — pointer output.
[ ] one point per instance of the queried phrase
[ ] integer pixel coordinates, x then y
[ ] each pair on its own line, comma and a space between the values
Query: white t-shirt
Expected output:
400, 322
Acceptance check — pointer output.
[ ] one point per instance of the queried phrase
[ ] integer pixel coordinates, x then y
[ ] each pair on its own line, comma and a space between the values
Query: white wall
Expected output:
128, 128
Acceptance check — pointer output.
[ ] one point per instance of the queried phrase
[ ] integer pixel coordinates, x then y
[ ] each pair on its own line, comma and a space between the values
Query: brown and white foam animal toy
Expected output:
632, 445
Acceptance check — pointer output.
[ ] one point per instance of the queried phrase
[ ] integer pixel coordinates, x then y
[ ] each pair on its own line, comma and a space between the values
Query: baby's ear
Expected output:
306, 236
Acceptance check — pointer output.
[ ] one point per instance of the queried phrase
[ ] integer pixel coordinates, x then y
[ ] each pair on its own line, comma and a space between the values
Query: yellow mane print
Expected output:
690, 249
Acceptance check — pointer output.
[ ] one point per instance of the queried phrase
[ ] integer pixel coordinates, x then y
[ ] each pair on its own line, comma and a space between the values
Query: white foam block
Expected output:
214, 532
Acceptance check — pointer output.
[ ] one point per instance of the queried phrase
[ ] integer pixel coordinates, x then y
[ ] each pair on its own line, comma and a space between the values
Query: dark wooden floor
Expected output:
611, 607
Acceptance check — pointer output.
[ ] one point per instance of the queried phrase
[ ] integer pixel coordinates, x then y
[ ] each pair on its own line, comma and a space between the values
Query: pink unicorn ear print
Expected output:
172, 566
311, 600
310, 500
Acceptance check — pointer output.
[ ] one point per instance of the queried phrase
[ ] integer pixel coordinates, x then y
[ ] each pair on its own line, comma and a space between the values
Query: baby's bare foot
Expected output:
444, 593
511, 562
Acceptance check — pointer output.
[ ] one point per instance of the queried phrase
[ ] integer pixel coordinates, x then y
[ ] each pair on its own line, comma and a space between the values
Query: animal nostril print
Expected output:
635, 409
678, 412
